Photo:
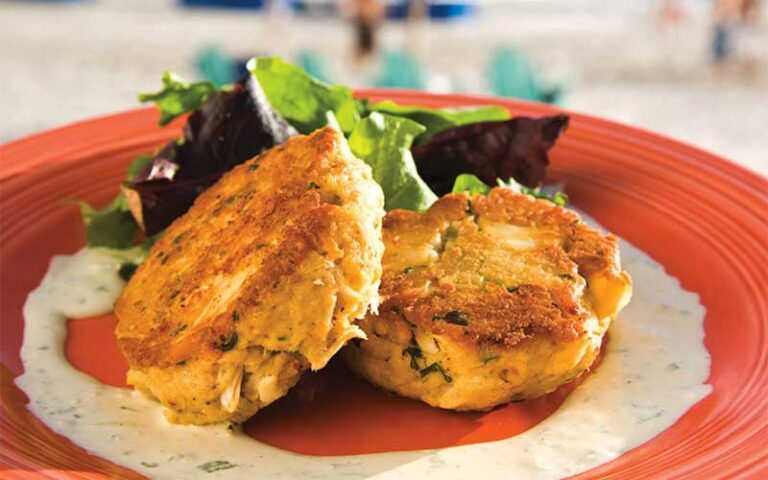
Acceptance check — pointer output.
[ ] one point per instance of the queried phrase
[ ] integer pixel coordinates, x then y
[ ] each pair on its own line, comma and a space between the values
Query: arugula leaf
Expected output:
302, 99
178, 97
436, 120
384, 142
112, 226
466, 182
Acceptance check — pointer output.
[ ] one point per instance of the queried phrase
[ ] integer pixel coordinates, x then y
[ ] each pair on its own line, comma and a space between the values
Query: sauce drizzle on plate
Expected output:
653, 371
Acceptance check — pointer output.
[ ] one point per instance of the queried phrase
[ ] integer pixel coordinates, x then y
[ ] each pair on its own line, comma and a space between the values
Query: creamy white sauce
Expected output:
653, 371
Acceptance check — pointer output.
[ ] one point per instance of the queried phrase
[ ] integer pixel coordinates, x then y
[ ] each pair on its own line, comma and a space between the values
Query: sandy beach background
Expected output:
65, 62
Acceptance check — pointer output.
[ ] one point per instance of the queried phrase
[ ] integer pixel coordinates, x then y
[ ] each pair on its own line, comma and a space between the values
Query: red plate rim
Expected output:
695, 194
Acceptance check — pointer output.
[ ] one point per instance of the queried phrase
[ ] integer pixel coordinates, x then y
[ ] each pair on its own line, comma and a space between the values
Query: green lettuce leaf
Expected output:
384, 142
437, 120
302, 99
558, 198
112, 226
466, 182
178, 97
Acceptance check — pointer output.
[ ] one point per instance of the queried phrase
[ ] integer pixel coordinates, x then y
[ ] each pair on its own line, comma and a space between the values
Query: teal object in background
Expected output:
215, 66
399, 69
511, 74
314, 64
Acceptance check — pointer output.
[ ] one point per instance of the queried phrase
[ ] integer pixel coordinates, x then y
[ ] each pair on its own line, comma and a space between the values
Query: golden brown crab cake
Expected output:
261, 279
486, 300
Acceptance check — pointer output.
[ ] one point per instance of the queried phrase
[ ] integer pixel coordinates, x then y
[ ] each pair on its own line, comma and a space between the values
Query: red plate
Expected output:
702, 217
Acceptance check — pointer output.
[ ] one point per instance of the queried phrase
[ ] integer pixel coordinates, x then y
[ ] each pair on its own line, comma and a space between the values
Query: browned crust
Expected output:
492, 313
262, 217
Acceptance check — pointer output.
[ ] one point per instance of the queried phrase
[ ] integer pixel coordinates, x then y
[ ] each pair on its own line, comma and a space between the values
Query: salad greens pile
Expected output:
416, 153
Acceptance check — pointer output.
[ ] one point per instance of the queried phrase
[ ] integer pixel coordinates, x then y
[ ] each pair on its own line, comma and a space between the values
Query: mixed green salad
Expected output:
416, 153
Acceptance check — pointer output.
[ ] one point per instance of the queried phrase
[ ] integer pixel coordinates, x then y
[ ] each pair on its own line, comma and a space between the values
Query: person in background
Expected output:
415, 27
367, 16
726, 15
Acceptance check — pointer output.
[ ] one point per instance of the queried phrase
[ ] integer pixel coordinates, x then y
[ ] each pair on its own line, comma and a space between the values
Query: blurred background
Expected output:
696, 70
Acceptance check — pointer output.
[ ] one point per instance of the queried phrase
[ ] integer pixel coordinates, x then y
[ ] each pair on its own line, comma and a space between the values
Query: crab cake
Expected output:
263, 278
487, 300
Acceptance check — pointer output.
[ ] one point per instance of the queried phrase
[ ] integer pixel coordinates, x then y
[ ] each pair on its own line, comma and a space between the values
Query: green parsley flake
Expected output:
216, 465
436, 367
455, 317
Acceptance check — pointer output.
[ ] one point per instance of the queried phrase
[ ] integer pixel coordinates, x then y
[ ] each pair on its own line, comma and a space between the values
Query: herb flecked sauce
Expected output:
654, 369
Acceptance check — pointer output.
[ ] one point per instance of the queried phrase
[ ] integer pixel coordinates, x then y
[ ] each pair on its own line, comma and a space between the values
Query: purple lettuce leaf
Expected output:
230, 128
156, 203
515, 148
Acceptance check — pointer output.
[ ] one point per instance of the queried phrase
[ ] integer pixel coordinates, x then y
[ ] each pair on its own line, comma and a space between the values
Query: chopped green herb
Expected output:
408, 270
149, 464
216, 465
455, 317
451, 233
312, 186
488, 357
61, 410
227, 344
415, 352
567, 276
650, 417
282, 338
178, 330
235, 316
435, 367
512, 289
